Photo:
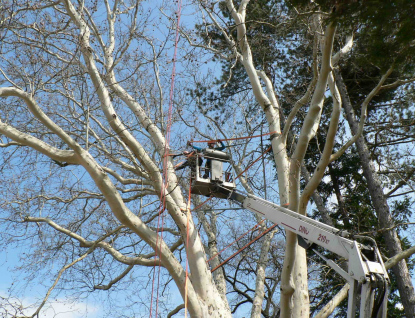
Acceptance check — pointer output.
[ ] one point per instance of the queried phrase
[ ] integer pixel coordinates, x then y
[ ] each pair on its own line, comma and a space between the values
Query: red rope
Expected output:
237, 138
159, 238
222, 250
244, 247
252, 163
197, 207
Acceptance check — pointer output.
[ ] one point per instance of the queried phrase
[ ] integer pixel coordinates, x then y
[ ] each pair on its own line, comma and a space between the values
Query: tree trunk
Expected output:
403, 278
261, 274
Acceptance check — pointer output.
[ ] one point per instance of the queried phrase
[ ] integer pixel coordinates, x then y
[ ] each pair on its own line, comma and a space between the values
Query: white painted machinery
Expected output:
365, 272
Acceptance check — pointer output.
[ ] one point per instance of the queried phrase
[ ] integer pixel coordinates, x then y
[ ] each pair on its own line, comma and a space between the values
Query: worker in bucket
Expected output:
212, 144
189, 162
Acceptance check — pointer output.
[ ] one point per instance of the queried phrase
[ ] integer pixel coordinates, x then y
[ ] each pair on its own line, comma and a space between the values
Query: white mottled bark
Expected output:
202, 294
294, 274
270, 107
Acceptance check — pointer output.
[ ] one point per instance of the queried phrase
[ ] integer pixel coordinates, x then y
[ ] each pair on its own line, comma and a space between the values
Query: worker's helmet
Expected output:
186, 152
211, 142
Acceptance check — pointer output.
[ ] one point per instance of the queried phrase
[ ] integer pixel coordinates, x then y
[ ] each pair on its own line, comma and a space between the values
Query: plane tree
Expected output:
88, 185
85, 159
265, 30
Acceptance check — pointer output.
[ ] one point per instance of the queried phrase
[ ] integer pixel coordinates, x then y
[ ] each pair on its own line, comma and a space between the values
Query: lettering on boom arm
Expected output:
323, 238
303, 229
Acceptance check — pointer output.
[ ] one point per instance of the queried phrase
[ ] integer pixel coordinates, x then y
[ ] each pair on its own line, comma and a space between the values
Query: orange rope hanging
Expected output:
239, 238
252, 163
244, 247
238, 138
165, 166
204, 202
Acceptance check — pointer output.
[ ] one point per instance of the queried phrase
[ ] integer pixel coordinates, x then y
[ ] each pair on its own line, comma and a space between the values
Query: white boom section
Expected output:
316, 232
363, 274
366, 274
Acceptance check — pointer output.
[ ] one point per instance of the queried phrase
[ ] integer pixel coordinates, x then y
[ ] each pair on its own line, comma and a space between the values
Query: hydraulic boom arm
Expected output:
366, 272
